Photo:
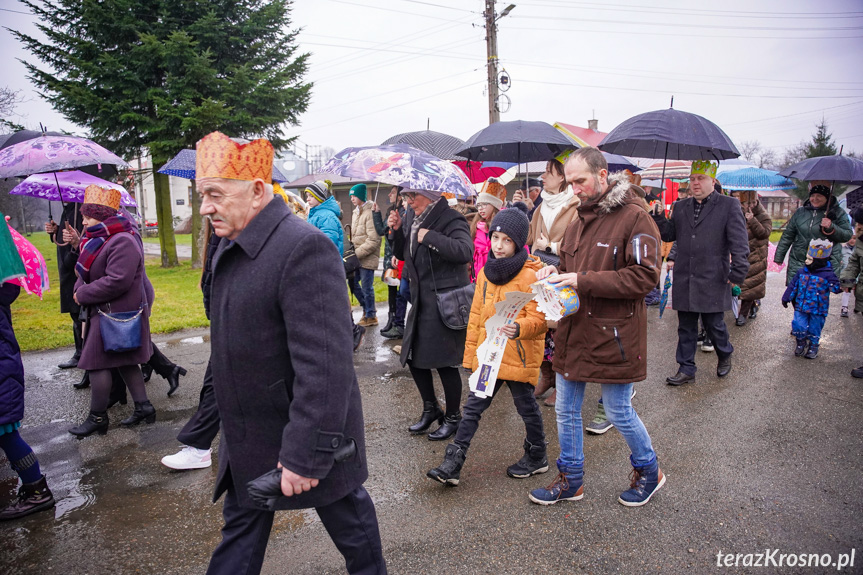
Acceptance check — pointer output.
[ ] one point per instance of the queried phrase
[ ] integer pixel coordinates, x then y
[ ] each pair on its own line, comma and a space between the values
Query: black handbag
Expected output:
547, 258
454, 305
349, 257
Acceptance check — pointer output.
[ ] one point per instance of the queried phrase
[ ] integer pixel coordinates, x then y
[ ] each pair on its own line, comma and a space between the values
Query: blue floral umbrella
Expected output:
754, 179
666, 287
183, 166
400, 165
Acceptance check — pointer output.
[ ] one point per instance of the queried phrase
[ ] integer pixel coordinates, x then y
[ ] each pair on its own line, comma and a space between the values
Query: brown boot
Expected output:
32, 498
549, 401
546, 379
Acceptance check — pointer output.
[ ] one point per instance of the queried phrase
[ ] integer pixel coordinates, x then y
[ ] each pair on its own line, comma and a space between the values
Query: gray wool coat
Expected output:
282, 359
118, 282
711, 254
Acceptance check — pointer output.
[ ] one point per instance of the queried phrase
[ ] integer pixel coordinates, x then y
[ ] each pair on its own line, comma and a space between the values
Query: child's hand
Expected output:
785, 304
510, 330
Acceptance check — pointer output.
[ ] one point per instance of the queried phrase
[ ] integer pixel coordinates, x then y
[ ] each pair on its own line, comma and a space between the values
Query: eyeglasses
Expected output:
481, 205
410, 195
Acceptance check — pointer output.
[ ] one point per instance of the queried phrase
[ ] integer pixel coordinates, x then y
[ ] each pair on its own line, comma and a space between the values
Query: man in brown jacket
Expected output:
610, 255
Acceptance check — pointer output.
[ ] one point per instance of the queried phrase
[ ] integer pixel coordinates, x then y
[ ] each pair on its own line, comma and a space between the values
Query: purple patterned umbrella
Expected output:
53, 154
71, 187
400, 165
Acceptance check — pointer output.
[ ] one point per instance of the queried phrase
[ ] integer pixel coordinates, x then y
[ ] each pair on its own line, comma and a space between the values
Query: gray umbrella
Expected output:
439, 145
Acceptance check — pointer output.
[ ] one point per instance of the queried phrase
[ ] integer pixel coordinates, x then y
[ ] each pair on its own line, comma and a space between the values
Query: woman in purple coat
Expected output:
111, 279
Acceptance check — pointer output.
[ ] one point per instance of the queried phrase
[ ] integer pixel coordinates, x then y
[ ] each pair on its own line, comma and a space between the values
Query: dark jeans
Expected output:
687, 336
202, 428
351, 523
525, 404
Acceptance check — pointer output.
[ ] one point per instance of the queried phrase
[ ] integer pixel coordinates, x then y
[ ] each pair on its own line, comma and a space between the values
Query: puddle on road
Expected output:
184, 341
383, 354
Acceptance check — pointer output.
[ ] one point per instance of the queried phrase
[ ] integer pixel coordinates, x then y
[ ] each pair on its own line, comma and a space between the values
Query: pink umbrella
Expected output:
771, 253
36, 280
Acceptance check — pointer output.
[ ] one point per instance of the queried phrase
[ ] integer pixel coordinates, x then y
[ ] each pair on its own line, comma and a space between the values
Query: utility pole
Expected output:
491, 52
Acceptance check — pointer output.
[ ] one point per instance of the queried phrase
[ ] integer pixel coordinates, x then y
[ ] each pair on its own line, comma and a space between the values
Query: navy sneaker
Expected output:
646, 480
600, 423
567, 486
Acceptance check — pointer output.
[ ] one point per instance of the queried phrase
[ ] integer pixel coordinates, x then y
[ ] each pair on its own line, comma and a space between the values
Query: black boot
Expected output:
801, 346
146, 371
174, 379
431, 412
447, 429
448, 471
118, 394
71, 362
812, 352
84, 383
389, 323
97, 421
533, 461
144, 411
32, 498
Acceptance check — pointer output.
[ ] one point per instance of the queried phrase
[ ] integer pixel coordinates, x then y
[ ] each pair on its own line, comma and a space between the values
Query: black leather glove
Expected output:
267, 489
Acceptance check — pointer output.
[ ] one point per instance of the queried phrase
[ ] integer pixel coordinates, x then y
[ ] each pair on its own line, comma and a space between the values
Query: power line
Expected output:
675, 25
612, 30
387, 9
694, 11
632, 89
797, 114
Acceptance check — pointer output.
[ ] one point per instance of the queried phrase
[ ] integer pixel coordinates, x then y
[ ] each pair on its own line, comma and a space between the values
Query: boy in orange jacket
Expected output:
509, 268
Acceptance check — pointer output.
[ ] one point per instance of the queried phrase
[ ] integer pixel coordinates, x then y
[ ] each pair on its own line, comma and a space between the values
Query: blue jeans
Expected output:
617, 399
807, 325
362, 286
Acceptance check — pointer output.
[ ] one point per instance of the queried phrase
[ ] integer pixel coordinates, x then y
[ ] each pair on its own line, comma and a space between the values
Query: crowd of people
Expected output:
280, 385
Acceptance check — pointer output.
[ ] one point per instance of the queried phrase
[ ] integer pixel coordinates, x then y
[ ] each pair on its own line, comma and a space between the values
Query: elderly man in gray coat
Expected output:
282, 365
712, 258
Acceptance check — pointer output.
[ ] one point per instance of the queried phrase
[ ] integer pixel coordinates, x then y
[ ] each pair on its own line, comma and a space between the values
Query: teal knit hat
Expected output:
359, 191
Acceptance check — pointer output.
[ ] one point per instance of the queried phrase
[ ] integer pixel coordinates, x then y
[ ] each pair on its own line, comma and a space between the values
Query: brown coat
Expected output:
606, 340
523, 355
759, 227
558, 227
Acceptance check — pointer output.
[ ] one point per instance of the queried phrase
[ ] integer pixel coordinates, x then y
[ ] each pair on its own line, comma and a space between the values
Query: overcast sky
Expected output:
762, 70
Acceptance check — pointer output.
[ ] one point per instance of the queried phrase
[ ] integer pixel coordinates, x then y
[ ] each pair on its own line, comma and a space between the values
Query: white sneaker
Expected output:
188, 458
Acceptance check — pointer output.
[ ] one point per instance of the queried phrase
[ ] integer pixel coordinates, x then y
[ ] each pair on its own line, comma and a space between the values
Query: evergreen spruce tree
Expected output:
161, 74
822, 143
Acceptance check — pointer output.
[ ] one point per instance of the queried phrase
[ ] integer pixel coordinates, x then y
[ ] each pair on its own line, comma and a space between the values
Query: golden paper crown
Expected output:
96, 195
494, 188
820, 249
705, 167
218, 156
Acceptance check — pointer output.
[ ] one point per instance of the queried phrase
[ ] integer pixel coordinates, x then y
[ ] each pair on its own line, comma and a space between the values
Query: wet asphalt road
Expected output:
768, 458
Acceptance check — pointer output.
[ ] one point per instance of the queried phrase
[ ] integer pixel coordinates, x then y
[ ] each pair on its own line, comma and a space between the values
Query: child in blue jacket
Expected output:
809, 293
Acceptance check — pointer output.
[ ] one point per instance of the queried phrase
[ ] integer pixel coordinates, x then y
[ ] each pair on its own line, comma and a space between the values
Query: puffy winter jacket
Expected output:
367, 242
810, 290
758, 227
523, 355
805, 225
327, 218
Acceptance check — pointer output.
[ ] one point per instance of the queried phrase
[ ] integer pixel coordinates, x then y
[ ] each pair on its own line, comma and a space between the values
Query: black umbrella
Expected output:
839, 169
440, 145
518, 141
669, 134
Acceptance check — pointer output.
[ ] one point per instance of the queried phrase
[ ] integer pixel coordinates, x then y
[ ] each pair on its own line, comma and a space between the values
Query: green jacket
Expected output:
805, 225
853, 270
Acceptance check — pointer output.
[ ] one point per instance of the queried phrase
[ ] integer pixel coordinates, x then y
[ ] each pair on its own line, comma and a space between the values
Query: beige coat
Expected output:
558, 227
367, 242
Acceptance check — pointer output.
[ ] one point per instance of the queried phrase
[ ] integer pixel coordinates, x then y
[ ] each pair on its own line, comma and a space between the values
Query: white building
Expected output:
181, 192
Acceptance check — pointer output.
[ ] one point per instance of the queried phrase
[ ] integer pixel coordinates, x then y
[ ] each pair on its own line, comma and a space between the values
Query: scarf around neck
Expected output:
415, 226
502, 271
552, 204
94, 240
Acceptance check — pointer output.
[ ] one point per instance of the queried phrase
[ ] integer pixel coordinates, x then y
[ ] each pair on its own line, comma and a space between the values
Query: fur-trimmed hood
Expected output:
620, 191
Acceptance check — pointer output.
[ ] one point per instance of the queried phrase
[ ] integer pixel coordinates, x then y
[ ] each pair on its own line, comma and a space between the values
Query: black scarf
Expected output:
502, 271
